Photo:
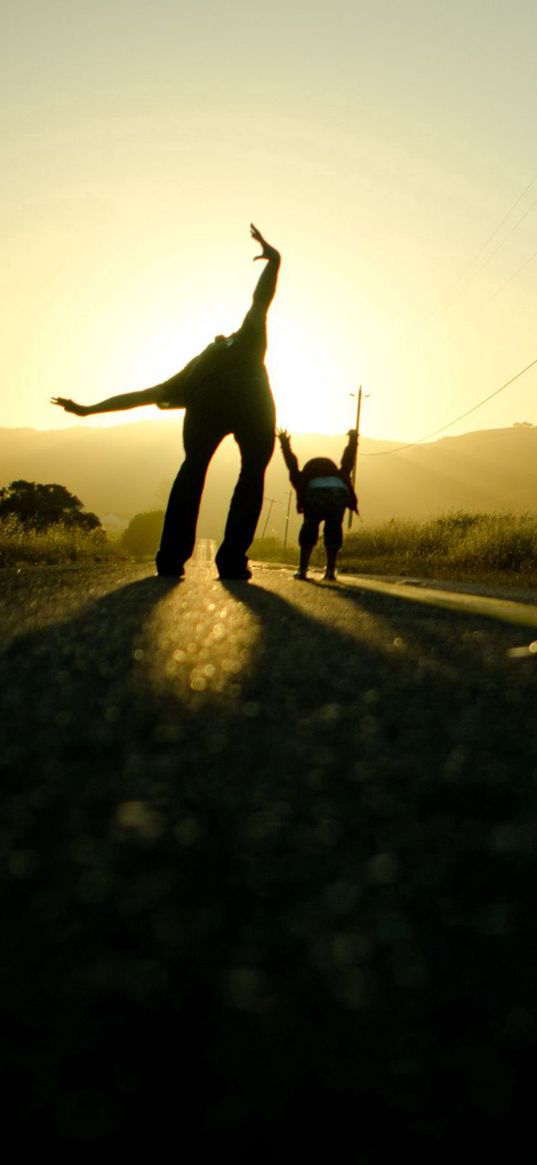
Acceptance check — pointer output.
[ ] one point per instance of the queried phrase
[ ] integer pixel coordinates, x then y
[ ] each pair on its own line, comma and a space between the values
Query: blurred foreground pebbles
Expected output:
269, 862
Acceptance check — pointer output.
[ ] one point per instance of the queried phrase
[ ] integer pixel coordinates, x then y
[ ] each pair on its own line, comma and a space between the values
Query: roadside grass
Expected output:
457, 545
57, 544
462, 546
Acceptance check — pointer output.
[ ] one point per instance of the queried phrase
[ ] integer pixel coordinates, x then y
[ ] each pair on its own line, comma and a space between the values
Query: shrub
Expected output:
457, 545
57, 544
142, 536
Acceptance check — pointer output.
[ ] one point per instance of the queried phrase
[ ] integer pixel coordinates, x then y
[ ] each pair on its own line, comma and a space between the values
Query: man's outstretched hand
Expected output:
70, 406
267, 252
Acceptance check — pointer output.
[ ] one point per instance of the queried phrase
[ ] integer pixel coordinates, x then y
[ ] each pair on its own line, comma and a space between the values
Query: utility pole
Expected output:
286, 531
353, 474
271, 501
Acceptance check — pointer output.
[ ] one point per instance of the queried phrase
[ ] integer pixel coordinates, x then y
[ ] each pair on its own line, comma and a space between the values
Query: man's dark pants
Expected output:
251, 421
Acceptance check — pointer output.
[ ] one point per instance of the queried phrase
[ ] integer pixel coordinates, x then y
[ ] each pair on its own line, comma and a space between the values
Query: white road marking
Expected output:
205, 551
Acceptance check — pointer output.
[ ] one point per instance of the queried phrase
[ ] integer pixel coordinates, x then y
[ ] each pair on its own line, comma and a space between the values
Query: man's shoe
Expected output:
176, 574
329, 576
301, 574
241, 575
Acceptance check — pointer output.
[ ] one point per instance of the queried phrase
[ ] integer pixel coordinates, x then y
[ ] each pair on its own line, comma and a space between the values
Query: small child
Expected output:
323, 493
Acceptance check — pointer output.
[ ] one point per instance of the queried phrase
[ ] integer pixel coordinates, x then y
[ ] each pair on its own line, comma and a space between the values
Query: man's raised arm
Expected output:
112, 404
266, 284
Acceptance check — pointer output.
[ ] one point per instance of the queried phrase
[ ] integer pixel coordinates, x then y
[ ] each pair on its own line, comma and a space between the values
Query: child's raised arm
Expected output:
288, 456
349, 452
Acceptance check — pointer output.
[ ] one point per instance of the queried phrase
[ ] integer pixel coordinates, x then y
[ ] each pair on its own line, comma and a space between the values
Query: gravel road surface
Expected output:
269, 867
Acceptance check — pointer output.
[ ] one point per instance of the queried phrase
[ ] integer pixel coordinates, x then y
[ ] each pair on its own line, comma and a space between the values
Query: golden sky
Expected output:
386, 147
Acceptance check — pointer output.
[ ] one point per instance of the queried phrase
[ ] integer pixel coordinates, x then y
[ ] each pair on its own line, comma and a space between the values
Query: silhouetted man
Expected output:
225, 389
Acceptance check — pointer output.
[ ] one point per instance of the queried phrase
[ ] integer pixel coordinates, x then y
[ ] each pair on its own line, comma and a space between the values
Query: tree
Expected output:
39, 506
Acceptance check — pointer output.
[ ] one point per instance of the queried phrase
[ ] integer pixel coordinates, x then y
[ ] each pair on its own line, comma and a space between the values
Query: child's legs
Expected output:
307, 538
333, 536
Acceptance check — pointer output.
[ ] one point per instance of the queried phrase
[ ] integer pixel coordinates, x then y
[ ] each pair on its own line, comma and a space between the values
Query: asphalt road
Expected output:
269, 866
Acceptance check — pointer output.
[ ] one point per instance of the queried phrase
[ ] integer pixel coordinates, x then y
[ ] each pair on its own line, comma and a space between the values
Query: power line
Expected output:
447, 336
411, 444
451, 294
465, 323
526, 263
500, 224
502, 241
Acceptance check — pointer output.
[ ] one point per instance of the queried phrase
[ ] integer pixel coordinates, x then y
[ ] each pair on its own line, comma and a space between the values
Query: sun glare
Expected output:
308, 388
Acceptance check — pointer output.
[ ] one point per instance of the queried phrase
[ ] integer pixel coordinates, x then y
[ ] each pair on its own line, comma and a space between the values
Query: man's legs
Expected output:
201, 437
256, 443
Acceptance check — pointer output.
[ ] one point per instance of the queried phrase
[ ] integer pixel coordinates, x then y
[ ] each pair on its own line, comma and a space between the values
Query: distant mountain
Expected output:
129, 468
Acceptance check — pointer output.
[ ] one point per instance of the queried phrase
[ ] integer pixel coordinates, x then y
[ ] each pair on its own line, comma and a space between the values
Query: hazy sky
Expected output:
378, 144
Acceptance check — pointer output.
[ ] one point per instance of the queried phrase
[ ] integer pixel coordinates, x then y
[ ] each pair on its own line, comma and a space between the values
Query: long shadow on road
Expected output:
279, 876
